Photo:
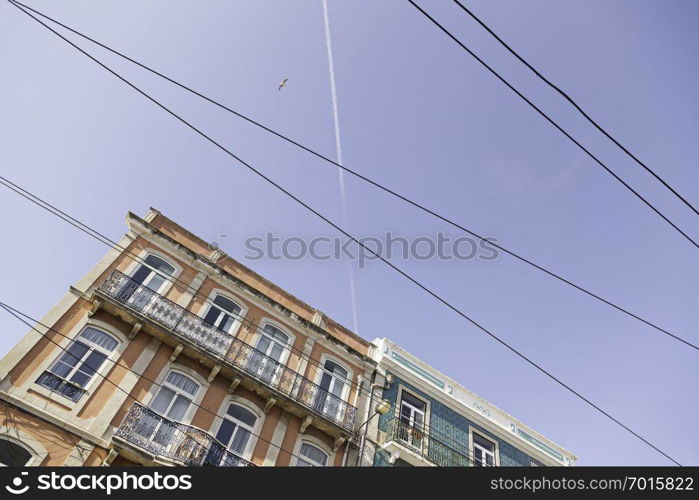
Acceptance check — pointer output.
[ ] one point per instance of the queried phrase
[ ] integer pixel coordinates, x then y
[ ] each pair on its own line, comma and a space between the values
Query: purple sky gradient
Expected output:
418, 114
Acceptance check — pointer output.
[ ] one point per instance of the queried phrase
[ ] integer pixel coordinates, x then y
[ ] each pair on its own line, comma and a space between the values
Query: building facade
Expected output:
170, 353
434, 421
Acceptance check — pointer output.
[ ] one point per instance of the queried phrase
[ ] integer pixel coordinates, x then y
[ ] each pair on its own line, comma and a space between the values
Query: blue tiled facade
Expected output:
448, 427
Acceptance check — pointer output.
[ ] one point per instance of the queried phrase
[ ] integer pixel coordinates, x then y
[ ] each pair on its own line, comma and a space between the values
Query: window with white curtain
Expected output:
311, 456
170, 406
175, 396
71, 372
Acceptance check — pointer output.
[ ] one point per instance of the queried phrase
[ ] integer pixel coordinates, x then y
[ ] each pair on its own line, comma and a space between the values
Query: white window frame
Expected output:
141, 261
188, 372
317, 443
177, 391
424, 442
66, 409
472, 447
286, 347
254, 431
204, 309
62, 349
347, 382
92, 346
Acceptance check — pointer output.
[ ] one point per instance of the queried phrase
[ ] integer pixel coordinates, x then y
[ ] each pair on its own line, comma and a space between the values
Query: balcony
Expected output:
227, 350
175, 442
417, 445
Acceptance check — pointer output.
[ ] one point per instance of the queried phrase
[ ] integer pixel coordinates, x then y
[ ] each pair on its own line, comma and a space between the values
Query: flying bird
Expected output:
283, 84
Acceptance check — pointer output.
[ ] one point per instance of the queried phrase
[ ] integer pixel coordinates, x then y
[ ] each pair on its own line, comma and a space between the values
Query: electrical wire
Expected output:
18, 315
52, 209
552, 122
376, 184
355, 240
575, 105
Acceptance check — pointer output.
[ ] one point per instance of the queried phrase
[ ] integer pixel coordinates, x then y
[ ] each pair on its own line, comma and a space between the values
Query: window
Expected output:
13, 454
268, 357
175, 396
234, 433
411, 420
222, 313
272, 342
150, 273
483, 451
311, 456
73, 370
170, 405
332, 383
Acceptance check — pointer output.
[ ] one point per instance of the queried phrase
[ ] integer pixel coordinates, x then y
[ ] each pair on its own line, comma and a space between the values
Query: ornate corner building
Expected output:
170, 353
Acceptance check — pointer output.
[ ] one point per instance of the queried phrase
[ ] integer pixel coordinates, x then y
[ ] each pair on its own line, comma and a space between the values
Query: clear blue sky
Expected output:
418, 114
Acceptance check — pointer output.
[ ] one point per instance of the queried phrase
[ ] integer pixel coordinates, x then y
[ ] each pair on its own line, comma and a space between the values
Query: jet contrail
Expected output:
338, 146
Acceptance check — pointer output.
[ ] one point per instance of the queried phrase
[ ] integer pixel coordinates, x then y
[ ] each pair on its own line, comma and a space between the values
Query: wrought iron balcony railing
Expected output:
163, 438
232, 351
429, 445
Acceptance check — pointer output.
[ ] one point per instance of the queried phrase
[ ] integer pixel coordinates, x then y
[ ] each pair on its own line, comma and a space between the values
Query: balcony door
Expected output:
267, 360
223, 314
411, 430
234, 434
333, 381
170, 407
146, 281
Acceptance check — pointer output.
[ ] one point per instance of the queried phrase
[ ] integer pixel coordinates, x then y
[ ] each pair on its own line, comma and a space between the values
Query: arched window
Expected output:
236, 429
334, 378
223, 313
175, 396
333, 381
311, 456
152, 273
73, 370
13, 454
267, 360
169, 406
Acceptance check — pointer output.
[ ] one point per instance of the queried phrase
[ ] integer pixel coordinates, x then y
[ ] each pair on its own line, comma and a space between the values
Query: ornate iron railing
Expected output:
164, 438
172, 316
232, 351
428, 445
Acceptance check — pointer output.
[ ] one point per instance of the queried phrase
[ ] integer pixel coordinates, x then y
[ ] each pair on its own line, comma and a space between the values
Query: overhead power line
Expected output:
105, 240
378, 185
552, 122
355, 240
99, 236
576, 106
